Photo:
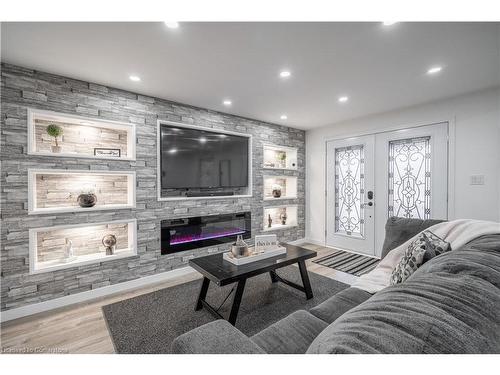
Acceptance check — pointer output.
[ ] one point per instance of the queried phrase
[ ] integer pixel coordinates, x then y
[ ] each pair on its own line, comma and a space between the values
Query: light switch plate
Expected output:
477, 179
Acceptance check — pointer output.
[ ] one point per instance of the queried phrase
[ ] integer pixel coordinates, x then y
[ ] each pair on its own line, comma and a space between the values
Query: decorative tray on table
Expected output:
254, 256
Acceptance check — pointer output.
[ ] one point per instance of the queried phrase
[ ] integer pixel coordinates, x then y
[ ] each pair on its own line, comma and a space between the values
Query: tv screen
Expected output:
195, 158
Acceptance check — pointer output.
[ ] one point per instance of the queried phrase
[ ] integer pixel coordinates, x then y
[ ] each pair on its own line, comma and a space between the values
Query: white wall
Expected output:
476, 120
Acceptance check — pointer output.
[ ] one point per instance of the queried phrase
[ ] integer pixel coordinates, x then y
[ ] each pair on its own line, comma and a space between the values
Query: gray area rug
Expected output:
150, 322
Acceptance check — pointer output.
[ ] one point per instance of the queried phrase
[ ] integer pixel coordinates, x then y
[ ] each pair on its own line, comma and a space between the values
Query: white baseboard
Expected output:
55, 303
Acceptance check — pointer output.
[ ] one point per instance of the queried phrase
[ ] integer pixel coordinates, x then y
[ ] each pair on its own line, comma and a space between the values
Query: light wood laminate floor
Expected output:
81, 328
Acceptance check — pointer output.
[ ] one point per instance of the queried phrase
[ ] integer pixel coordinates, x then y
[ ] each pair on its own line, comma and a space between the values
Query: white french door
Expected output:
400, 173
350, 175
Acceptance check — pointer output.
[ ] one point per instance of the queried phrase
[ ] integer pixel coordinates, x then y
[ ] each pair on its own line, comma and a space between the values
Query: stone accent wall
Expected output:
57, 190
86, 240
22, 88
79, 139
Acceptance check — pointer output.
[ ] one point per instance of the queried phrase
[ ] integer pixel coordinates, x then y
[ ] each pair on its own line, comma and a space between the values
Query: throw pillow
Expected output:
434, 245
411, 260
425, 247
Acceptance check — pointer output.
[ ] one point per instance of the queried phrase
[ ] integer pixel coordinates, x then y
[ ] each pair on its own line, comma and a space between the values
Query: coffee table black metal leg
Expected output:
274, 277
305, 279
236, 301
203, 294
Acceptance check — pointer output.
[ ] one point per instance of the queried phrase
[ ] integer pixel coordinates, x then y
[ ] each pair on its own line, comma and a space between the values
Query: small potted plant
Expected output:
276, 190
282, 158
55, 131
87, 198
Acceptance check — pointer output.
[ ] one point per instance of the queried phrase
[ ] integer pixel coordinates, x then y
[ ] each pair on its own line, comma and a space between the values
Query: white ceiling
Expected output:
380, 68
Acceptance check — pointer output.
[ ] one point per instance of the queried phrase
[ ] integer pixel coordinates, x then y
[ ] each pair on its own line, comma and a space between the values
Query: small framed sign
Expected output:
110, 152
266, 242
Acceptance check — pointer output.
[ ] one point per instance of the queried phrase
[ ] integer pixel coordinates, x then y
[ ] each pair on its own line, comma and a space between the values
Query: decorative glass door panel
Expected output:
349, 190
349, 178
410, 178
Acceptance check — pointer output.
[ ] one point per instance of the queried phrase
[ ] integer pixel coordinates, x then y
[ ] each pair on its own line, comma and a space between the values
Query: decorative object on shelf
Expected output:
109, 242
281, 156
111, 152
87, 198
68, 252
269, 221
55, 131
276, 190
265, 242
240, 247
269, 164
283, 217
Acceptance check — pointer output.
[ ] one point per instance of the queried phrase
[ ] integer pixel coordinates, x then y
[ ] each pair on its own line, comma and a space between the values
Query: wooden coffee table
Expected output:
215, 269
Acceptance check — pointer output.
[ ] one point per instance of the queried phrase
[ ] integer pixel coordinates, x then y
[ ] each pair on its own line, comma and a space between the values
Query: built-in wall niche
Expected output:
280, 187
60, 247
280, 217
53, 191
78, 136
280, 157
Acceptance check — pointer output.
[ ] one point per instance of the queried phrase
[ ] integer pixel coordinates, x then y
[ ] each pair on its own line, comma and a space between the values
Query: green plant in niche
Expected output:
54, 131
282, 155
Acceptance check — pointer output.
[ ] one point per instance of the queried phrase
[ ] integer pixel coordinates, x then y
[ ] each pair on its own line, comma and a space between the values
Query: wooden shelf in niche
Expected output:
48, 246
280, 157
83, 137
54, 191
276, 213
286, 184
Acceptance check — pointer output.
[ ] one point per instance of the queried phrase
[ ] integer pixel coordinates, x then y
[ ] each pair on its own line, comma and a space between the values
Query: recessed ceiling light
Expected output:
434, 70
285, 74
343, 99
283, 117
227, 102
134, 78
222, 135
389, 23
172, 151
172, 25
202, 140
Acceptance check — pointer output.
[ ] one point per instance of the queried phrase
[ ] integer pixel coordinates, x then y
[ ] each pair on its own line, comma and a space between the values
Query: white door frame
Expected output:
451, 157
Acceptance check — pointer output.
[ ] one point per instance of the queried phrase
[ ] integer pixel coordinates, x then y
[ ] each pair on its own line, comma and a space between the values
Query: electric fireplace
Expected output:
201, 231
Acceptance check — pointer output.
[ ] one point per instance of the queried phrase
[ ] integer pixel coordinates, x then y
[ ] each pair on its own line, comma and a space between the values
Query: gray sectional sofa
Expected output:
451, 304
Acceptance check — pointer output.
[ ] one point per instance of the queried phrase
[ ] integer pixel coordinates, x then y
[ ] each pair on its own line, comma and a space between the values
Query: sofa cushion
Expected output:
217, 337
398, 230
338, 304
291, 335
449, 305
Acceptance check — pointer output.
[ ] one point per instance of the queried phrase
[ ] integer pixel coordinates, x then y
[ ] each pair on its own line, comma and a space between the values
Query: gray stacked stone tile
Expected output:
23, 88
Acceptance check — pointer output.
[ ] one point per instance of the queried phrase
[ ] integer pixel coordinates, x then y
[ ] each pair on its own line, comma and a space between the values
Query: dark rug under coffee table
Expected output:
150, 322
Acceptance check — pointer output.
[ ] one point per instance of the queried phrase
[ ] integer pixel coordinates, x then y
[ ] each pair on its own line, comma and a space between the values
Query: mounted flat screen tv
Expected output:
193, 158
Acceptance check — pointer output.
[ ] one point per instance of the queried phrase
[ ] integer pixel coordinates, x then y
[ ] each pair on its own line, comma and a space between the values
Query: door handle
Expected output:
370, 204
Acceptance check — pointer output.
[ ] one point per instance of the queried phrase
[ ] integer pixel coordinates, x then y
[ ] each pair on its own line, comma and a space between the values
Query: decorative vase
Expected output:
55, 149
68, 252
109, 242
269, 221
283, 218
276, 193
87, 200
239, 248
